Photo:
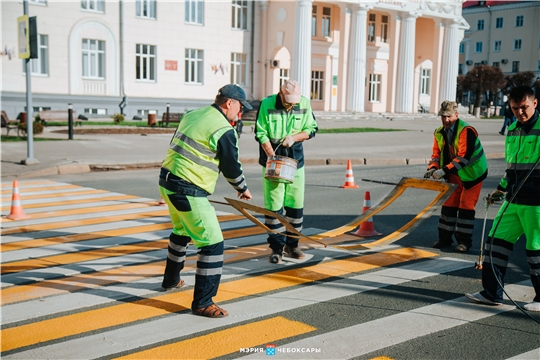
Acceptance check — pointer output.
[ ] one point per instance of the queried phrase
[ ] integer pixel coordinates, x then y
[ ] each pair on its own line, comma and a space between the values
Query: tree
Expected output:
522, 78
482, 79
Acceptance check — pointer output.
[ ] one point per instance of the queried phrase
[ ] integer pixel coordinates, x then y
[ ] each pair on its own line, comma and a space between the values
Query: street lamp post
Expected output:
168, 105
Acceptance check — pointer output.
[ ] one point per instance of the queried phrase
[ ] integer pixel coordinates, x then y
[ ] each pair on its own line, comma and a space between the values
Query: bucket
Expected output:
280, 169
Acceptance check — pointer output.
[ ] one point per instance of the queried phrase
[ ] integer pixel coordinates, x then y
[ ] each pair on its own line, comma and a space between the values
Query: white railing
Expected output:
94, 87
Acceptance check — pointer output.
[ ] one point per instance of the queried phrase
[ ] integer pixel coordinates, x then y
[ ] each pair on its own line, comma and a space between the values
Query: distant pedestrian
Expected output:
458, 157
509, 117
204, 145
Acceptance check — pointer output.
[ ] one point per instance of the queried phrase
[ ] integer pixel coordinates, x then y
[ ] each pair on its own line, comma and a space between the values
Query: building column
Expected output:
301, 66
405, 81
450, 61
264, 88
356, 82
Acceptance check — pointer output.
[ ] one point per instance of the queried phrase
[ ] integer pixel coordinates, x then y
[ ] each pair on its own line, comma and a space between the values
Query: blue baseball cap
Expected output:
233, 91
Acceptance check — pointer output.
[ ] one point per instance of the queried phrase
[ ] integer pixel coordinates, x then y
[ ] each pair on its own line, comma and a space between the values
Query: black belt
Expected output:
178, 185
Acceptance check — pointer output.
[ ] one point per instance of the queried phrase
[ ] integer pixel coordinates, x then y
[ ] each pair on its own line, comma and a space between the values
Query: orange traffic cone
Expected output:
366, 228
349, 178
17, 212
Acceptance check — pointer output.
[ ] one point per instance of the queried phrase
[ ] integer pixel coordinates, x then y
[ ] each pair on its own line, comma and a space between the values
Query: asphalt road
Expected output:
327, 207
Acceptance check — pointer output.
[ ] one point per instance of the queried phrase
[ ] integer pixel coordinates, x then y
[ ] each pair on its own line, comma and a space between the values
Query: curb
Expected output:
85, 168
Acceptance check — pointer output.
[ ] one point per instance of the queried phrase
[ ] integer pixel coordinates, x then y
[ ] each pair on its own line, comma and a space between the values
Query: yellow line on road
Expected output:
227, 341
23, 183
54, 195
123, 314
122, 250
87, 210
23, 190
72, 202
30, 244
157, 211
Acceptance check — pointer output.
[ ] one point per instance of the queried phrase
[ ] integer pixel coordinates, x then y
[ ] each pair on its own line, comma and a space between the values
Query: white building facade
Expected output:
354, 56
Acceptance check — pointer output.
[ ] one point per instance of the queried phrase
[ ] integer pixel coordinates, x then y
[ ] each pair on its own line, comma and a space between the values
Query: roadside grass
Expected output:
100, 123
5, 138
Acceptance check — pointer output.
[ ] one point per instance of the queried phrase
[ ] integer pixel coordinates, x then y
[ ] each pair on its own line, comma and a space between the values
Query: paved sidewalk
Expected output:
93, 152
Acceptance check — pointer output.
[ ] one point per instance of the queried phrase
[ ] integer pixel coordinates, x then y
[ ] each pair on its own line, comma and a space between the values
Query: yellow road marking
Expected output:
23, 189
53, 195
122, 250
72, 202
23, 183
116, 315
227, 341
30, 244
158, 211
87, 210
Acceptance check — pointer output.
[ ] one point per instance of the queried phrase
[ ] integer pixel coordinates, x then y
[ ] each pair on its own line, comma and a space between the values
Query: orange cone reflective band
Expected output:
17, 212
366, 228
349, 178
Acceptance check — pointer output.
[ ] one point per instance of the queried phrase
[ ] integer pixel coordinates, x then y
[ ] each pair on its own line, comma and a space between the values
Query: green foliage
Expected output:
118, 118
354, 130
37, 127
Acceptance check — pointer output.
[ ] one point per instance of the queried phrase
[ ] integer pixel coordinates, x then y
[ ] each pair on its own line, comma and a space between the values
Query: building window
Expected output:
497, 46
283, 76
194, 66
480, 25
194, 11
384, 28
519, 20
95, 111
93, 59
371, 28
93, 5
462, 48
326, 15
499, 23
478, 48
238, 69
146, 8
38, 2
145, 62
317, 85
517, 44
314, 20
40, 66
144, 112
476, 64
538, 66
239, 14
425, 77
496, 64
374, 87
460, 69
515, 66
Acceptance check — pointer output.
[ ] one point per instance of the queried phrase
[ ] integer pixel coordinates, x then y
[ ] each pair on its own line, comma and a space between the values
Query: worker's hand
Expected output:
439, 174
246, 195
496, 195
288, 141
429, 173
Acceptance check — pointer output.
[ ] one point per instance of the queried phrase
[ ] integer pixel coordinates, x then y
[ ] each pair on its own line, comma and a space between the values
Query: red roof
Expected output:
470, 3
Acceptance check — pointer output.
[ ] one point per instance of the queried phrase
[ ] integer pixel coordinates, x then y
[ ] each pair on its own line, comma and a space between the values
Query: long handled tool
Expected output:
478, 264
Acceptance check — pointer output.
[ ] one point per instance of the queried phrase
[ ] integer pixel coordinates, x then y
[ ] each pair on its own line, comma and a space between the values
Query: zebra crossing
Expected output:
80, 279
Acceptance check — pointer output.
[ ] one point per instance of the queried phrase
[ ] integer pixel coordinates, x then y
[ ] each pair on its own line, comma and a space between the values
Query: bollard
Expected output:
70, 121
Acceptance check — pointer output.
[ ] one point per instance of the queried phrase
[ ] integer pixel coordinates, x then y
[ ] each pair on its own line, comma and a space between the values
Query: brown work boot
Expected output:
293, 252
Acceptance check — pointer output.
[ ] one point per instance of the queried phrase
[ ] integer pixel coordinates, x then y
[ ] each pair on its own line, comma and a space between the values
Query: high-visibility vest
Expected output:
476, 166
521, 149
193, 149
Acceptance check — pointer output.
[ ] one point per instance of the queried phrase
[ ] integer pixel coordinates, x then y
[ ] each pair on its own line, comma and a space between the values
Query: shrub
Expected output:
37, 127
118, 118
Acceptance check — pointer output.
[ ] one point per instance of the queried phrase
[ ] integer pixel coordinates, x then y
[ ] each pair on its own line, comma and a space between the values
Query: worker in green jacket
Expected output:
284, 121
520, 212
203, 145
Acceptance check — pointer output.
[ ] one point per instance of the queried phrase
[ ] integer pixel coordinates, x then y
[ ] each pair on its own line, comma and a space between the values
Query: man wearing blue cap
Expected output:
203, 145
